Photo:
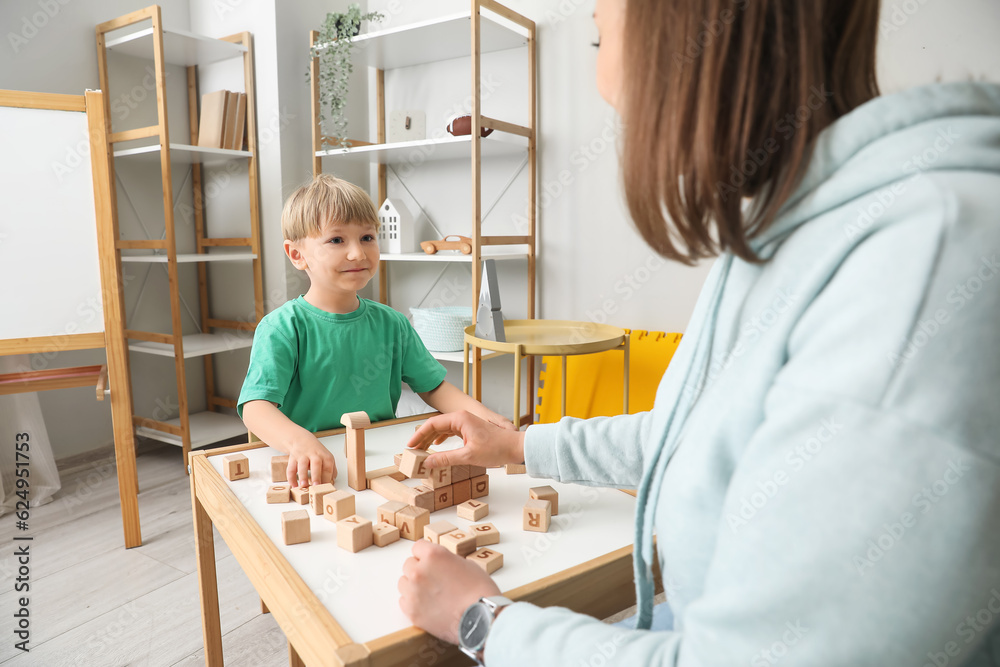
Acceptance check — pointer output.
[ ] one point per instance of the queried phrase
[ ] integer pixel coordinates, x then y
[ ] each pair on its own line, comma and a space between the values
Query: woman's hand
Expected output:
437, 586
486, 444
309, 462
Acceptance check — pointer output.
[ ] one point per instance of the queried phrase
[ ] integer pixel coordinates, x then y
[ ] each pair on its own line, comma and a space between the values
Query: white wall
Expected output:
592, 264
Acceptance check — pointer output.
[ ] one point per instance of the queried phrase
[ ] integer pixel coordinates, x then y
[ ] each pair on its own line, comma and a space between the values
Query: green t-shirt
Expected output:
317, 365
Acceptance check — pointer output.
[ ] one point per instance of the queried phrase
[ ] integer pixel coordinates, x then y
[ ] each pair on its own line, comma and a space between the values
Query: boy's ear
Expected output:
295, 255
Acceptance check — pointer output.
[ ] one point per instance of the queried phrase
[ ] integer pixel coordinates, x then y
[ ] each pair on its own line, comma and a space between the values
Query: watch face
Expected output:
474, 626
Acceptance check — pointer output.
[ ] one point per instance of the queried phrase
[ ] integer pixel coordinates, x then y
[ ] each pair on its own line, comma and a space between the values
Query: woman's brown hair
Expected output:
722, 100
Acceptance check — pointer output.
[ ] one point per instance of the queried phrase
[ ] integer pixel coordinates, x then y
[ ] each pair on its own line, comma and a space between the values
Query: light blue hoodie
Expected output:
822, 464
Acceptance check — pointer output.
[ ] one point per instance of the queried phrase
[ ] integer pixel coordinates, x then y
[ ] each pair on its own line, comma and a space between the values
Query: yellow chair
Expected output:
595, 388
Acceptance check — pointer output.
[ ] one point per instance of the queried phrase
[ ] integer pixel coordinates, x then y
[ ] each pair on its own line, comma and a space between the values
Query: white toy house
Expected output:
396, 233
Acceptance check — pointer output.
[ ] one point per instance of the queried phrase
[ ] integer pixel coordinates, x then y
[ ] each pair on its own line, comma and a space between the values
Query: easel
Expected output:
114, 375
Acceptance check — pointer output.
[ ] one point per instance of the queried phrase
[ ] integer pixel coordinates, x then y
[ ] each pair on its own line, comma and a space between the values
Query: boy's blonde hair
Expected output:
326, 198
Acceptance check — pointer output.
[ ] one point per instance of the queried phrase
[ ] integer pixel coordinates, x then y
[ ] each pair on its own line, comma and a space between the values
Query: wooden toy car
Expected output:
464, 243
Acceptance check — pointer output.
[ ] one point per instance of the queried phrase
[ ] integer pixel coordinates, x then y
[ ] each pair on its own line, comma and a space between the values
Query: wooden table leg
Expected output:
517, 388
293, 658
465, 367
627, 348
208, 585
565, 382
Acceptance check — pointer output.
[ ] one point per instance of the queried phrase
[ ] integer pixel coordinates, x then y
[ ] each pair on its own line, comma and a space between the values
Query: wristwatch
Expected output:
476, 623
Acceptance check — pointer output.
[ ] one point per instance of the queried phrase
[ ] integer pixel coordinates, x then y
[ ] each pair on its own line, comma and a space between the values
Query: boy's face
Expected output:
340, 259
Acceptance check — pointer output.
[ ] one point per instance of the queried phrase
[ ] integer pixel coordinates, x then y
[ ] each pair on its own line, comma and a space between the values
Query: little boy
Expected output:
329, 351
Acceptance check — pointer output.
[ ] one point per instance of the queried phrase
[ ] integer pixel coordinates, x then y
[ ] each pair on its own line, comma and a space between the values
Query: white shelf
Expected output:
182, 154
179, 47
424, 150
195, 345
187, 258
206, 428
488, 252
438, 39
457, 356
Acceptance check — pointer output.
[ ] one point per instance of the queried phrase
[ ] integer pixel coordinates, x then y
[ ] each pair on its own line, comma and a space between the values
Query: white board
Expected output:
359, 589
50, 281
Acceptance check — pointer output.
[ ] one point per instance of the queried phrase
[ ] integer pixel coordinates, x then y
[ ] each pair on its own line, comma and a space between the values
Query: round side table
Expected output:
560, 338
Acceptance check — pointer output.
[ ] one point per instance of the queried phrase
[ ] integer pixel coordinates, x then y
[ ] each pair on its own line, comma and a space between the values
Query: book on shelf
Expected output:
229, 126
241, 116
211, 123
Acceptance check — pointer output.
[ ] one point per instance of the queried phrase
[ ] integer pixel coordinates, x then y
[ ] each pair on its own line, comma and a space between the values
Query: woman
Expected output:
821, 467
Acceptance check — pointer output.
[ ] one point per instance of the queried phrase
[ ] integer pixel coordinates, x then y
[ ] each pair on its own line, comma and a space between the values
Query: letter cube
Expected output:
461, 491
458, 542
546, 493
516, 468
473, 510
236, 466
316, 495
434, 531
387, 511
279, 468
439, 477
422, 497
412, 463
278, 494
295, 527
385, 534
537, 516
411, 522
442, 498
300, 495
489, 560
459, 473
355, 533
486, 534
476, 471
480, 486
338, 505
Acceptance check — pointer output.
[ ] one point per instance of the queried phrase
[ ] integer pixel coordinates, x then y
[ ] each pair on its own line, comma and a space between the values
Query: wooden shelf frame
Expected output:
179, 47
484, 31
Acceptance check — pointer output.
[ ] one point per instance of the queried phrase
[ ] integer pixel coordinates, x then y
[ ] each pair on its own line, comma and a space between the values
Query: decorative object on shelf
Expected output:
462, 126
334, 52
395, 234
464, 244
442, 329
489, 319
407, 126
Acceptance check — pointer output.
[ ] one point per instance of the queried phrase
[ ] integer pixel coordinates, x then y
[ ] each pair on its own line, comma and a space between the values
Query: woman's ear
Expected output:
295, 255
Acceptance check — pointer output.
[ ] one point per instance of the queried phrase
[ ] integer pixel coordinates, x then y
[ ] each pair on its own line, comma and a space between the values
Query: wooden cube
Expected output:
278, 494
387, 511
476, 471
434, 531
279, 468
316, 495
473, 510
459, 473
236, 466
397, 459
489, 560
439, 477
300, 495
442, 498
486, 534
413, 463
411, 522
384, 534
546, 493
458, 542
355, 533
392, 489
421, 497
516, 468
461, 492
537, 516
338, 505
480, 486
295, 527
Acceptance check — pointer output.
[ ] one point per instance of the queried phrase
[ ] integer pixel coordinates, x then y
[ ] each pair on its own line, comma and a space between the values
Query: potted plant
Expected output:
333, 48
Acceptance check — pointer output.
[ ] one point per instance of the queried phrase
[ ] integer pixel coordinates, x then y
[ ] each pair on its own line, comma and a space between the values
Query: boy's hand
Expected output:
437, 586
310, 463
486, 444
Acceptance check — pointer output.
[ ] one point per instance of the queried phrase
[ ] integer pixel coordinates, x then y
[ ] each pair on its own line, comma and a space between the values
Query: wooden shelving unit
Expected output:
177, 47
487, 27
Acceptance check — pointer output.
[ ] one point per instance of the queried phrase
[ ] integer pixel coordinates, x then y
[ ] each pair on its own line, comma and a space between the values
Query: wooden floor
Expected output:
94, 603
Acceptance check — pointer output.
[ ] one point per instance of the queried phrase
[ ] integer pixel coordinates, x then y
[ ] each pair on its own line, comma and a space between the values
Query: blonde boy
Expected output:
329, 351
